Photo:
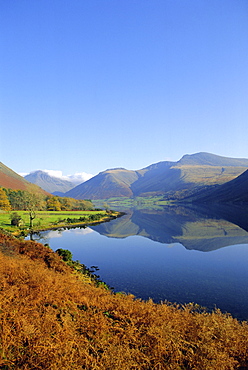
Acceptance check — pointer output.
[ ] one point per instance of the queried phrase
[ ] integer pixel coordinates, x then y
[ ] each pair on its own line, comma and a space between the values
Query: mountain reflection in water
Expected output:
199, 228
133, 256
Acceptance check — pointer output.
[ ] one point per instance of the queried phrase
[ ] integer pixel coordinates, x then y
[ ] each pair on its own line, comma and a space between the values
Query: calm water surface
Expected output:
171, 254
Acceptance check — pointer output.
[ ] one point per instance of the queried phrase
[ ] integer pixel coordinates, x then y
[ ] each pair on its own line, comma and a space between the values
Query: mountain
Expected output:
110, 183
49, 183
212, 160
11, 180
188, 174
234, 191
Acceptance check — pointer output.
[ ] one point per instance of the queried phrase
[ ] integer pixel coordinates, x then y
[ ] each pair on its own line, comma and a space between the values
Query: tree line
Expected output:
23, 200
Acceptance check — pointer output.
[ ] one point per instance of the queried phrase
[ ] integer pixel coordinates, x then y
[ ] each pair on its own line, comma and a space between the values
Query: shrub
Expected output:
16, 219
65, 254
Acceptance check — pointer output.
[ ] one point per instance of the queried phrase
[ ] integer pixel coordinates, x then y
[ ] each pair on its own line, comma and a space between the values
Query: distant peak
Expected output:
37, 171
199, 154
117, 168
204, 158
114, 169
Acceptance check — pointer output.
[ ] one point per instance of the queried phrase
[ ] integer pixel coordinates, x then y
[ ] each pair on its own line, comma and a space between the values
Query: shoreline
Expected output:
81, 224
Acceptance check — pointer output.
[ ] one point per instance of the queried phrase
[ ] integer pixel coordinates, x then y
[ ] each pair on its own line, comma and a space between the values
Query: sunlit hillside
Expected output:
10, 179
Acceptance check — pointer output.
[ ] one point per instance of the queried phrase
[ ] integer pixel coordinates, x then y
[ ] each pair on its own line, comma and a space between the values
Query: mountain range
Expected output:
197, 178
189, 174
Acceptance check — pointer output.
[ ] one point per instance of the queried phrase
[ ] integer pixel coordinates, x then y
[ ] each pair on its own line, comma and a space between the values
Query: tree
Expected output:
4, 201
26, 201
66, 203
32, 216
84, 204
53, 204
15, 198
106, 206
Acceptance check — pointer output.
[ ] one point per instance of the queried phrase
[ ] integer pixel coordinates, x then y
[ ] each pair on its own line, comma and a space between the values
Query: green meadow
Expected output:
52, 219
137, 202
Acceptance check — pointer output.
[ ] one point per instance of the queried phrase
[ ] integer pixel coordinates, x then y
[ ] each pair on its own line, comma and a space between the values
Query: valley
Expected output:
182, 239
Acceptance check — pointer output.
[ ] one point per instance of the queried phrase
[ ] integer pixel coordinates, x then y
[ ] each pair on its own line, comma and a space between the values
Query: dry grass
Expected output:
52, 319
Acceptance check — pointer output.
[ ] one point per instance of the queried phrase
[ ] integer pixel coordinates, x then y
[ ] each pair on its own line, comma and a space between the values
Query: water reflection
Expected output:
158, 254
204, 229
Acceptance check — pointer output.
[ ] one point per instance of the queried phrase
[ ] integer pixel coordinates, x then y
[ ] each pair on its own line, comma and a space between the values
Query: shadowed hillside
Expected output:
234, 191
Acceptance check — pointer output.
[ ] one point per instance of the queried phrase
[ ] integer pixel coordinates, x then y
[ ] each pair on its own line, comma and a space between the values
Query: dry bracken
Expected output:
50, 318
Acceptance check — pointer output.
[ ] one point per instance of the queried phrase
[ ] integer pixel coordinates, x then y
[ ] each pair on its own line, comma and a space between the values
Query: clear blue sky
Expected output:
87, 85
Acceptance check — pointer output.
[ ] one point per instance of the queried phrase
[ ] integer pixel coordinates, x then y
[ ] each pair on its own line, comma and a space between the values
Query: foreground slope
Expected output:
54, 318
190, 172
11, 180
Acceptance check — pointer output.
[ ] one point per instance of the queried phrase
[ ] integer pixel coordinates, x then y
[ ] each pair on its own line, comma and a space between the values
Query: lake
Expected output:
178, 254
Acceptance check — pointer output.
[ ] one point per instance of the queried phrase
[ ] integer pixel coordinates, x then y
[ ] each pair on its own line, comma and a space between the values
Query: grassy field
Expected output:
137, 202
51, 219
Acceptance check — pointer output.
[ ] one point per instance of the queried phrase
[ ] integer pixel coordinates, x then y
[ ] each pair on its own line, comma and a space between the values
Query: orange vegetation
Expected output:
51, 318
20, 184
10, 179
